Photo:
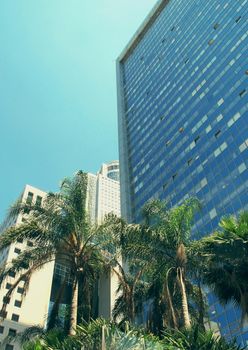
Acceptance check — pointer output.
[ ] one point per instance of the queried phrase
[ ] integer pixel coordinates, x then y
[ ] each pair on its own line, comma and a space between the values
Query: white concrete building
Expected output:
103, 197
31, 309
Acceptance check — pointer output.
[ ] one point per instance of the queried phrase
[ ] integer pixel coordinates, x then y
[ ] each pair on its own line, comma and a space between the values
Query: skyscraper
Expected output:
183, 116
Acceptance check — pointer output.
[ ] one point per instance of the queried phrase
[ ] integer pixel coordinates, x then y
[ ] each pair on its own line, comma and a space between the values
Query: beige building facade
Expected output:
31, 309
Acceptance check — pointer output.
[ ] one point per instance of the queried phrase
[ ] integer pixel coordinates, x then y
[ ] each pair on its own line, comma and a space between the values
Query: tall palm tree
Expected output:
162, 240
174, 228
59, 230
129, 272
225, 261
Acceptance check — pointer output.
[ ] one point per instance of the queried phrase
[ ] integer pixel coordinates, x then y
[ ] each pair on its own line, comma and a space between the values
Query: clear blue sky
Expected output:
58, 88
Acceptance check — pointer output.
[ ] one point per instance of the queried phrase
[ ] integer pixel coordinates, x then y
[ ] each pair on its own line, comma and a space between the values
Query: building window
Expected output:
8, 285
213, 213
204, 182
9, 347
192, 145
219, 118
20, 290
18, 303
15, 317
220, 149
17, 250
238, 19
1, 329
243, 146
197, 139
242, 168
12, 332
29, 198
217, 133
208, 128
12, 274
233, 119
220, 102
242, 93
38, 201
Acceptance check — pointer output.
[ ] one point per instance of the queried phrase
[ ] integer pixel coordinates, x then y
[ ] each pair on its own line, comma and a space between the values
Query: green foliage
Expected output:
93, 335
102, 334
196, 339
42, 341
224, 257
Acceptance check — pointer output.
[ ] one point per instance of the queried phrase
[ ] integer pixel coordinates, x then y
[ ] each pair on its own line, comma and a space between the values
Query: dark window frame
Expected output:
20, 290
18, 303
8, 285
15, 317
17, 250
12, 332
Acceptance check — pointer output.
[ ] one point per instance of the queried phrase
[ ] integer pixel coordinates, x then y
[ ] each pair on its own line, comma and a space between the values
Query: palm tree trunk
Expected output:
132, 307
186, 317
55, 309
74, 307
103, 338
201, 306
129, 300
171, 307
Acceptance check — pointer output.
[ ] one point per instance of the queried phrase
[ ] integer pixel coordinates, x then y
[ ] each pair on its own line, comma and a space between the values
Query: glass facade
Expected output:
183, 116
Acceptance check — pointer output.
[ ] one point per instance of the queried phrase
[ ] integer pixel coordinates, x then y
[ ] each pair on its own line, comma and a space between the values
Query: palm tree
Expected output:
131, 287
225, 261
162, 240
174, 228
60, 230
131, 294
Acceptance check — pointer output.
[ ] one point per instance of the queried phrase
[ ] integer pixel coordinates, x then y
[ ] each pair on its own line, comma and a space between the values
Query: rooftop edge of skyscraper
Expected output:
145, 25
